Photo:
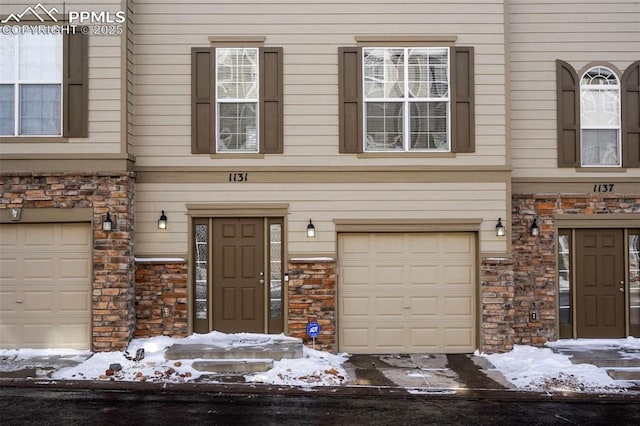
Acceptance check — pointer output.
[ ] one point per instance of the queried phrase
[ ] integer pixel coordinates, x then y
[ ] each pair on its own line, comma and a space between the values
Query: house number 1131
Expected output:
238, 177
603, 187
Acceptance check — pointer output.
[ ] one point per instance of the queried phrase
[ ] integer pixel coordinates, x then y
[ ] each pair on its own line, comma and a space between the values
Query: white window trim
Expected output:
617, 87
17, 83
219, 101
406, 100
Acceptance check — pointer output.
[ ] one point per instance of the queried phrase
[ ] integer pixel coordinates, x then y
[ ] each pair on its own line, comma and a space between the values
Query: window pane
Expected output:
40, 58
7, 58
237, 131
237, 73
40, 109
600, 147
429, 125
564, 284
428, 73
384, 126
600, 108
384, 73
634, 285
201, 267
275, 270
7, 109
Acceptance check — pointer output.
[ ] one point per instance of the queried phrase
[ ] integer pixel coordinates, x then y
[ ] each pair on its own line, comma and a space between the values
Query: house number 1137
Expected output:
238, 177
603, 187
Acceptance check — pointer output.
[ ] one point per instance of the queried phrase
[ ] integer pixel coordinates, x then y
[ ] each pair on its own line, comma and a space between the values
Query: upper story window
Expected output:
237, 100
406, 99
31, 85
600, 118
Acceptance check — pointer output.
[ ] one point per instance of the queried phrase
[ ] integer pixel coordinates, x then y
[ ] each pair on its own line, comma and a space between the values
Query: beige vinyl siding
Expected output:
579, 32
322, 203
105, 90
310, 34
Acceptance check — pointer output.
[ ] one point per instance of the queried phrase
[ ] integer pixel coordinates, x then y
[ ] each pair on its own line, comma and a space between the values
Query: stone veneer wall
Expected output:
497, 305
161, 298
312, 297
113, 293
535, 262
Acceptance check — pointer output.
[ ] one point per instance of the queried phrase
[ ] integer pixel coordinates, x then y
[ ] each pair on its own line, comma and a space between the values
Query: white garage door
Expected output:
45, 285
409, 293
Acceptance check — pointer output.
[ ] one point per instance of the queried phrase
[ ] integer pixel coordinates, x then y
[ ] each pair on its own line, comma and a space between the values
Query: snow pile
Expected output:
540, 369
316, 368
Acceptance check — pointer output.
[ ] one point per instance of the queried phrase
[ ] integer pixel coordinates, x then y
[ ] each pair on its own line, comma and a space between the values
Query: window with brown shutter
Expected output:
236, 100
420, 110
585, 141
44, 86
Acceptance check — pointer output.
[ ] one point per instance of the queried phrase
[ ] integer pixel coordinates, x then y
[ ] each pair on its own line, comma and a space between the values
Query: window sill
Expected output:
251, 155
406, 155
32, 139
612, 169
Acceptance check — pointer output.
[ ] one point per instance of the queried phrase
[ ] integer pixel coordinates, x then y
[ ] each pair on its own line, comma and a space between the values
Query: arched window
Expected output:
600, 118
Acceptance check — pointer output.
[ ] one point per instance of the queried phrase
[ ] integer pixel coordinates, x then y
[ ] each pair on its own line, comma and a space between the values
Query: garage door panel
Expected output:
388, 275
456, 274
74, 267
424, 275
355, 306
38, 301
74, 302
410, 292
50, 273
386, 306
423, 306
458, 306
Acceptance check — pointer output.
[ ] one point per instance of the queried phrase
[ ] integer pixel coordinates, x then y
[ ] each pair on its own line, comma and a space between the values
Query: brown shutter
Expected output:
271, 100
350, 99
568, 104
631, 116
462, 100
202, 100
75, 86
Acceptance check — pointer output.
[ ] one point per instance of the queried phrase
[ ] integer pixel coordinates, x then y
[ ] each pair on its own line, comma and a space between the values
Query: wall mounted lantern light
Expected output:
535, 229
500, 229
107, 224
162, 222
311, 230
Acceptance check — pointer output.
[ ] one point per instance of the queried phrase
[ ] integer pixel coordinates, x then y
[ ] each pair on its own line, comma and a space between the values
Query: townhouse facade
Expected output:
414, 177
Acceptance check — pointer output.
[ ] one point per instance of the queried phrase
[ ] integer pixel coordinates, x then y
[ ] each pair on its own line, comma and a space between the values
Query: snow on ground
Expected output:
315, 368
541, 369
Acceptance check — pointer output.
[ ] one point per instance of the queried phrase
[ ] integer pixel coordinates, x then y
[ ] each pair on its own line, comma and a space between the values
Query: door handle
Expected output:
621, 289
18, 301
261, 278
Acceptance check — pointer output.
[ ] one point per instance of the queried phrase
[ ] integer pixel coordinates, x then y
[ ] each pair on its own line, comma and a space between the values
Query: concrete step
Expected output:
275, 350
233, 365
624, 374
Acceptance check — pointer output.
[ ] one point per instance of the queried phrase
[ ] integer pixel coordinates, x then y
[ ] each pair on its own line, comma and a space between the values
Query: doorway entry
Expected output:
600, 283
237, 281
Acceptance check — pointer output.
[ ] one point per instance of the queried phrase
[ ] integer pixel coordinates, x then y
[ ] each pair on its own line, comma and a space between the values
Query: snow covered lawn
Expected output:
541, 369
316, 368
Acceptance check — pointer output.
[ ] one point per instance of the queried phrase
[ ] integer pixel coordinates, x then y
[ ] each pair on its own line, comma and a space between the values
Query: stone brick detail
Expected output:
161, 299
497, 305
113, 292
535, 263
312, 297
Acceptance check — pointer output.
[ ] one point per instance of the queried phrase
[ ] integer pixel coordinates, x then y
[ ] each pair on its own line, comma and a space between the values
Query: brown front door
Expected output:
238, 275
599, 280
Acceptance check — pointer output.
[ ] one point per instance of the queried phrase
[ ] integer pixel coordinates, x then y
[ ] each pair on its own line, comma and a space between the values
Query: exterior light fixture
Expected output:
107, 224
311, 230
500, 229
535, 229
162, 222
